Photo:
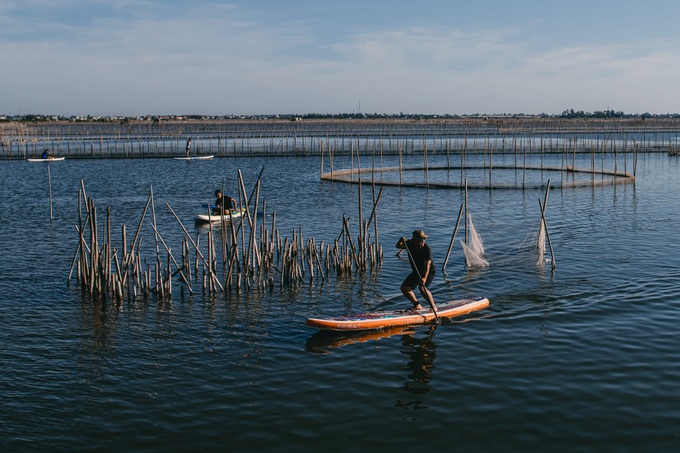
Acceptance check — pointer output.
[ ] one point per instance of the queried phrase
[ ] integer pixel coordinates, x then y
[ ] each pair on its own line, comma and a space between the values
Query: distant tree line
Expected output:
569, 113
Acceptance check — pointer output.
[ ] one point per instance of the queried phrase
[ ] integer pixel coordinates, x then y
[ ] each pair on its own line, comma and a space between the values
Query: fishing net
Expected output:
475, 249
476, 243
472, 258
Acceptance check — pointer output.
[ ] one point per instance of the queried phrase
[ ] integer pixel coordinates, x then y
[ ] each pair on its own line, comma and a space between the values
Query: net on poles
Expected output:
472, 259
476, 243
474, 251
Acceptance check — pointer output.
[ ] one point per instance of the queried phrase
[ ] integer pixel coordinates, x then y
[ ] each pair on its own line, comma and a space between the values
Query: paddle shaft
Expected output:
429, 299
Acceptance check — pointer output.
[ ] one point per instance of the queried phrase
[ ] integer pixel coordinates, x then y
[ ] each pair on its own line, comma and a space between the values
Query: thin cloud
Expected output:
146, 57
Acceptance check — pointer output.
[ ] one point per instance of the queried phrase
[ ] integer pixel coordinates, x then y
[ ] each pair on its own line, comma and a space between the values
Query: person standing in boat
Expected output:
223, 204
47, 154
188, 148
422, 269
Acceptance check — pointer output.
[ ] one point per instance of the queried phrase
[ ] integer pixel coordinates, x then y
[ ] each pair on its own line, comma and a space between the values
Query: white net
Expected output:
476, 243
472, 259
475, 249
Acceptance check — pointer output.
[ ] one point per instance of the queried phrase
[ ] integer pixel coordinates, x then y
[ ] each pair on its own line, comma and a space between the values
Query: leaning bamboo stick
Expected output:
547, 235
78, 248
136, 237
198, 252
453, 237
179, 268
545, 205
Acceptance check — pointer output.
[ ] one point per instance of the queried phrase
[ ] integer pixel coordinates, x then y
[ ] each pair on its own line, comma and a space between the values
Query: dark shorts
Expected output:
413, 280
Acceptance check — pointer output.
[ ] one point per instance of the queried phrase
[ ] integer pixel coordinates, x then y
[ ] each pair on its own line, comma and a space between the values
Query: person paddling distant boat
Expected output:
47, 154
422, 269
223, 204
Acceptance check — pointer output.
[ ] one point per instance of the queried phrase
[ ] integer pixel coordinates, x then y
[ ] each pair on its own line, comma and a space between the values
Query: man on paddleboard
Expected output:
188, 148
422, 269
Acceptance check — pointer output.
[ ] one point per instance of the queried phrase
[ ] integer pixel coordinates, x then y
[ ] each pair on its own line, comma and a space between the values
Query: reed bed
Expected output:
239, 254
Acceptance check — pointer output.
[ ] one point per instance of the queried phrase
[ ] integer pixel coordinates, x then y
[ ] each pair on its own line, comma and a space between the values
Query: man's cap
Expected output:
419, 234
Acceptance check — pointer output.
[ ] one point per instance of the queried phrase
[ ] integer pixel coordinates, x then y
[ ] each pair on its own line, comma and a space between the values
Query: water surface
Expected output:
585, 358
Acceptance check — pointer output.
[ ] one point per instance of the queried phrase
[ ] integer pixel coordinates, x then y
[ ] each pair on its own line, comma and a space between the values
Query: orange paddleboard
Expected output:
382, 319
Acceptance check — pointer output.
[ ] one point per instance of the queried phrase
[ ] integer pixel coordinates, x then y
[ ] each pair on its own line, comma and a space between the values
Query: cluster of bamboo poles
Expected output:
241, 254
107, 272
294, 260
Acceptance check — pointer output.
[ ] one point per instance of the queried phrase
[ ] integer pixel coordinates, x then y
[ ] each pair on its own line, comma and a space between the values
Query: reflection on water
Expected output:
321, 341
417, 344
97, 328
421, 353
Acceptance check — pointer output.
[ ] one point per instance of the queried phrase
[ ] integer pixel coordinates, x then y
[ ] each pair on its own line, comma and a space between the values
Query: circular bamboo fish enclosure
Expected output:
597, 177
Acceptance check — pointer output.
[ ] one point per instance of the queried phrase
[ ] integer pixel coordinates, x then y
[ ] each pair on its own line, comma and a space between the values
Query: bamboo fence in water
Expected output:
234, 138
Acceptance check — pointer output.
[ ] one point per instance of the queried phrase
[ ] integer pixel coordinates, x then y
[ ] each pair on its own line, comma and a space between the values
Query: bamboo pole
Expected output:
136, 237
198, 252
545, 205
49, 188
547, 235
170, 256
453, 237
466, 213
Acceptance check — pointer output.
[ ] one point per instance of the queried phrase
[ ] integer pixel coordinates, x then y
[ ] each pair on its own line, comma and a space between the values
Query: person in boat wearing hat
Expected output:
223, 204
422, 269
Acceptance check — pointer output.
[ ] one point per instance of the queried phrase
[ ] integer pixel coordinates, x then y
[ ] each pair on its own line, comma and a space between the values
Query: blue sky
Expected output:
138, 57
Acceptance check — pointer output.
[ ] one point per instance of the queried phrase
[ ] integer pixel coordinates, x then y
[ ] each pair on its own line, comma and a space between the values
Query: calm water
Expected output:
587, 358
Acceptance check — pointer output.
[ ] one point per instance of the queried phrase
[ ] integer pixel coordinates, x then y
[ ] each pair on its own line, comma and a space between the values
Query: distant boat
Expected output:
194, 158
49, 159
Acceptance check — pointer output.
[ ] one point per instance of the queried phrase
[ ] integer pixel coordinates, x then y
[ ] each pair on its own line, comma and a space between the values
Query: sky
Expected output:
252, 57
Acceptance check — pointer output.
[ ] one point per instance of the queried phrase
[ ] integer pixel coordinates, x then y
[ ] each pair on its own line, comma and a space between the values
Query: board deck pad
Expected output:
391, 318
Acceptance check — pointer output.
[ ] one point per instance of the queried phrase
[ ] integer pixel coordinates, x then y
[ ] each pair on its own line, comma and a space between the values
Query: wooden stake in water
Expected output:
547, 234
49, 188
453, 237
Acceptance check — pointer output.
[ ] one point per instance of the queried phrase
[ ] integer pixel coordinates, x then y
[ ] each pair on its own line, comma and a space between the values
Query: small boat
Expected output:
49, 159
394, 318
194, 158
212, 218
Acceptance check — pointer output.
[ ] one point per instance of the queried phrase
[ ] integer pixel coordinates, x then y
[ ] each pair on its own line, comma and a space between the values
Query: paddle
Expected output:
429, 299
